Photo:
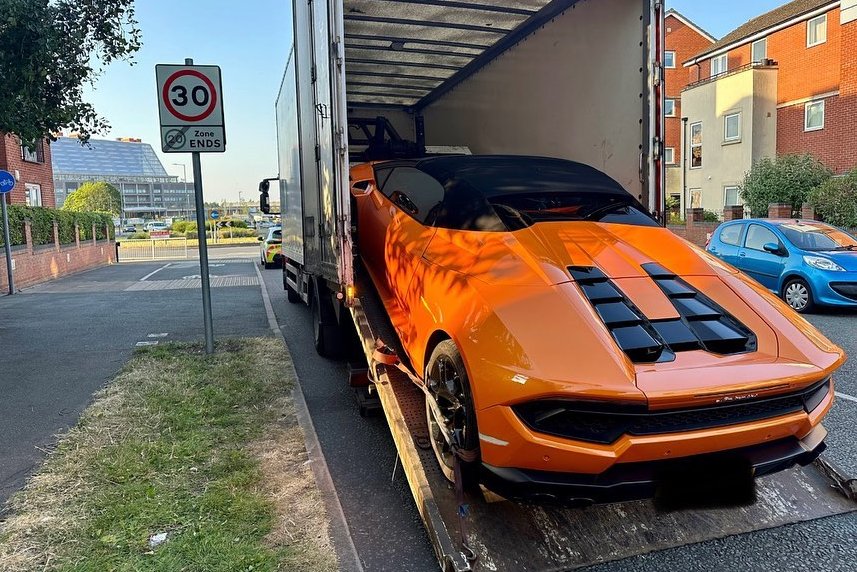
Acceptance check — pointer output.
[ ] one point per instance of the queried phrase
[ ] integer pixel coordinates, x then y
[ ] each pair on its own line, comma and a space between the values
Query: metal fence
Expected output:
152, 249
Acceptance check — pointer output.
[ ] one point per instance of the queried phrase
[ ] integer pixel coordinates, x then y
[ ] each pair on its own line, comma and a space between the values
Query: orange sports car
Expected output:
568, 345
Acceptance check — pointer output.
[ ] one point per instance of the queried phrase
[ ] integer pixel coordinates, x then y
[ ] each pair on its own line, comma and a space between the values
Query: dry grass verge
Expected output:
204, 449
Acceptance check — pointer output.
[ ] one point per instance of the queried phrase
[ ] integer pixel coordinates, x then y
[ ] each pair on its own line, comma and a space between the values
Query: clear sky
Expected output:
249, 40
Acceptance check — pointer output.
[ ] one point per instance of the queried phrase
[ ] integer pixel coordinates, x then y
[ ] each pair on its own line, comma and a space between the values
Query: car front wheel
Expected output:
798, 295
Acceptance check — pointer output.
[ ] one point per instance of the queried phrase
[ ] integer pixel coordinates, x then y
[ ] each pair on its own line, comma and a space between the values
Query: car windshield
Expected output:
818, 237
526, 209
276, 236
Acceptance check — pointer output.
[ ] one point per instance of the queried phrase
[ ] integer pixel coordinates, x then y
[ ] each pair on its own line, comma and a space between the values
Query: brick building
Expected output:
785, 82
32, 170
684, 39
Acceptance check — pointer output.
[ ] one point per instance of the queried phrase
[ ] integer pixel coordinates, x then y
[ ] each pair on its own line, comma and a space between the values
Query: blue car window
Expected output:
731, 234
818, 236
758, 236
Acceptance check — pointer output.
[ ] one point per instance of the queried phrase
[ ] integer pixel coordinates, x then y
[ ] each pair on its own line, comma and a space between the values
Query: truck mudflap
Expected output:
509, 535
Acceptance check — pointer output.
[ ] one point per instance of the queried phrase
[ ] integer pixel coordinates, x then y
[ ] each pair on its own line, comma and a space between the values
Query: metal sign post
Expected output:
7, 183
190, 102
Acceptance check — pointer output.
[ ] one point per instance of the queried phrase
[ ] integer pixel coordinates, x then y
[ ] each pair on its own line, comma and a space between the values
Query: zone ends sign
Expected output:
190, 103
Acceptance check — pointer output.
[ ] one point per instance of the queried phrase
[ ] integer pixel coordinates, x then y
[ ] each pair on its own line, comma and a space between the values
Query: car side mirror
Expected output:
773, 248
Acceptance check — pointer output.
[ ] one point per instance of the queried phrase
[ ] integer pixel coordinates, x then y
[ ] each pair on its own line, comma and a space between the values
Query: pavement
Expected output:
65, 339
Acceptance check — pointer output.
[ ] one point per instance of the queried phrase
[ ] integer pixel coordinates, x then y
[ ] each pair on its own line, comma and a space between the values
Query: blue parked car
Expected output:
804, 261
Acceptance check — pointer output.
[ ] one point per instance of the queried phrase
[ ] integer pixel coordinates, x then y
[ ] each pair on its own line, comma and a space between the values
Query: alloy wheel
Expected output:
446, 412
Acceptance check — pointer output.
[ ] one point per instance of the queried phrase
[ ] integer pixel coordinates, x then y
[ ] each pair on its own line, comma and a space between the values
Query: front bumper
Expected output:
834, 288
641, 480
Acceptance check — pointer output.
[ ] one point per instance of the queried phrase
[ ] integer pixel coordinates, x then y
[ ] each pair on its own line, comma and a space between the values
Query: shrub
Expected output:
787, 179
836, 200
42, 225
711, 216
139, 236
180, 226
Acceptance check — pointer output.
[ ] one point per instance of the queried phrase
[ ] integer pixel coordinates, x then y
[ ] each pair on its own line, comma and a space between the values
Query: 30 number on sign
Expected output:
189, 95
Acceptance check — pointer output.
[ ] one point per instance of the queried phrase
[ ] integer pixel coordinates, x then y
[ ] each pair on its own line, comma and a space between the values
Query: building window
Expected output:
669, 107
34, 153
669, 60
816, 31
760, 50
814, 116
719, 65
696, 146
732, 127
33, 195
696, 198
669, 156
731, 196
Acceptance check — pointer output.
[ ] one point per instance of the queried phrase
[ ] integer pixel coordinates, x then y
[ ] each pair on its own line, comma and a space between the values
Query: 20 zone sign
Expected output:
191, 109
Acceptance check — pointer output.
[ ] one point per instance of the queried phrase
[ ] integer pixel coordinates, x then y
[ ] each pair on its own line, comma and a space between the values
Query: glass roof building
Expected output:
130, 165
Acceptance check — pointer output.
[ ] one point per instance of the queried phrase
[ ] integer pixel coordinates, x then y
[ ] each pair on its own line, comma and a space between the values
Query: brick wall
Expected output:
34, 173
35, 264
804, 72
835, 145
686, 43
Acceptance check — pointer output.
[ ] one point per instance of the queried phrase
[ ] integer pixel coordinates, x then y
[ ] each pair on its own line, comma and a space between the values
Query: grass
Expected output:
205, 449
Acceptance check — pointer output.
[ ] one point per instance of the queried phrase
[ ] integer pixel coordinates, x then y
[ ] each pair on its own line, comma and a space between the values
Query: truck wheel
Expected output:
450, 413
327, 334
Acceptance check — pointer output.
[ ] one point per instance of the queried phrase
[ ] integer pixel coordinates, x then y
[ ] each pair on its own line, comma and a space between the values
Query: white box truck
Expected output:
387, 79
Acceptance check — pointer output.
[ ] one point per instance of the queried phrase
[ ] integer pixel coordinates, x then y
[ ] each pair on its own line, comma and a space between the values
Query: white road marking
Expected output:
164, 335
150, 274
846, 397
142, 344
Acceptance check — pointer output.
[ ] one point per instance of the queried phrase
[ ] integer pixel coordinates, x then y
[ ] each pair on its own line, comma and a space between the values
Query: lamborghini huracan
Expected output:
568, 345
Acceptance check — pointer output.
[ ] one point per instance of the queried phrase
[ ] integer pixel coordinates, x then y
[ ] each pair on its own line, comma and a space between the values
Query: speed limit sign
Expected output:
190, 100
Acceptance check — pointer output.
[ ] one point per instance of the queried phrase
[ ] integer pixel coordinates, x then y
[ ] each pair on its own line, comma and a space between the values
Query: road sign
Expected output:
190, 102
214, 214
7, 182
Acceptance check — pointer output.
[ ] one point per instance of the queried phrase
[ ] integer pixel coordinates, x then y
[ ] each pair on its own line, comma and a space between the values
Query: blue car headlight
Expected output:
823, 263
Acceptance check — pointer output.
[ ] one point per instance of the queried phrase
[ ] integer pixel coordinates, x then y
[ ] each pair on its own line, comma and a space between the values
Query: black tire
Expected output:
449, 386
327, 335
798, 295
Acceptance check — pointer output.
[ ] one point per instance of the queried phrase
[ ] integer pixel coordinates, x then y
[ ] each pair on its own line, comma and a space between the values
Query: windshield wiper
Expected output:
847, 247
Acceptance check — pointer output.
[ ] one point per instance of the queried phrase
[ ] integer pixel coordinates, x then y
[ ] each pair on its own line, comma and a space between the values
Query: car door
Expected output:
728, 242
765, 267
414, 197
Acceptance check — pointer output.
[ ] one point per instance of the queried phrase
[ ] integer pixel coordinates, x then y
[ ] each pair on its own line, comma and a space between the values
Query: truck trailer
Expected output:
376, 80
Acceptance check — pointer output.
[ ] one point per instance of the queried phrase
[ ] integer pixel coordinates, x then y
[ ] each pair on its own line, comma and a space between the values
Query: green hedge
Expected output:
42, 225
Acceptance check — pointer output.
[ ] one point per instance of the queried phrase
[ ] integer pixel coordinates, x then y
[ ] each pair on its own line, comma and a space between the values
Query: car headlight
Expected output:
823, 263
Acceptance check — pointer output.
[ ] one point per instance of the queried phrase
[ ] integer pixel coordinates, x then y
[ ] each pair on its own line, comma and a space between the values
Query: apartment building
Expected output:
683, 40
785, 82
31, 167
130, 165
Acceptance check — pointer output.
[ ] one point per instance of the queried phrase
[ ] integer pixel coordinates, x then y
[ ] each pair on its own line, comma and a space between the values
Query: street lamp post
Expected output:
184, 180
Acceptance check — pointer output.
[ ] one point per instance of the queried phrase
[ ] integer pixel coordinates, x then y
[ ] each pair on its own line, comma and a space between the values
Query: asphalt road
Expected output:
63, 340
386, 528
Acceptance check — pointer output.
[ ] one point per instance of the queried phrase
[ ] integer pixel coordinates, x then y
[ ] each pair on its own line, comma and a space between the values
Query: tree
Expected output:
48, 50
787, 179
94, 197
836, 200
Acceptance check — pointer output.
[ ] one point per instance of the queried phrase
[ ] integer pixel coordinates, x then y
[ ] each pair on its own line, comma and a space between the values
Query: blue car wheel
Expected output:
798, 295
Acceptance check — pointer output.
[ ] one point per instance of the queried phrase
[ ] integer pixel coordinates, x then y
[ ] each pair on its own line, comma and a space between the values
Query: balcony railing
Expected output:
760, 64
